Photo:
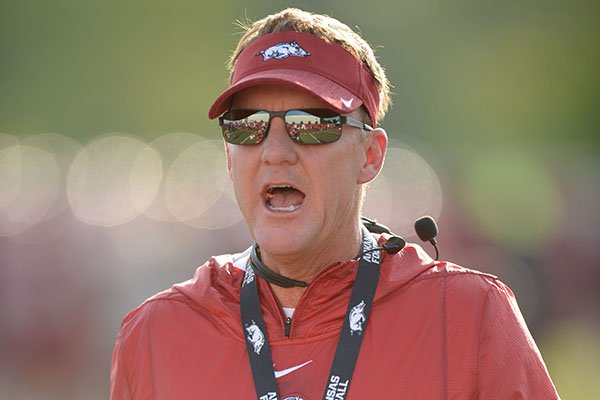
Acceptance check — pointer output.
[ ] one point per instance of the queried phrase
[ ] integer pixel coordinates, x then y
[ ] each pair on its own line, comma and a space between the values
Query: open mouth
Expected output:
283, 198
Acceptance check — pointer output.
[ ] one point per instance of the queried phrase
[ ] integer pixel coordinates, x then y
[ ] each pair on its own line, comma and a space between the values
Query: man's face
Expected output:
298, 199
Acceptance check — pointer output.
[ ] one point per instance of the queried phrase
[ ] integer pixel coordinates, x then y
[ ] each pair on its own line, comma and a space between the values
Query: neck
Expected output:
307, 266
288, 297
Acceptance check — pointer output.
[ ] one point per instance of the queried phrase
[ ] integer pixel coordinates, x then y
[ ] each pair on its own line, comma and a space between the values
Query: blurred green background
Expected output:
500, 98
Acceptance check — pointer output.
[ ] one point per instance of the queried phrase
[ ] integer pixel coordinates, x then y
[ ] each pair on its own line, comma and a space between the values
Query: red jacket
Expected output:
436, 331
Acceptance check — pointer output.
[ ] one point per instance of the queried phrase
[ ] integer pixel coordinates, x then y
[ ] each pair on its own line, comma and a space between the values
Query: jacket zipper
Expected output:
287, 326
287, 322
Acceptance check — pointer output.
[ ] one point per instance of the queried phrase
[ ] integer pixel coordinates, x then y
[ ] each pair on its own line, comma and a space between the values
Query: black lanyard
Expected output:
346, 354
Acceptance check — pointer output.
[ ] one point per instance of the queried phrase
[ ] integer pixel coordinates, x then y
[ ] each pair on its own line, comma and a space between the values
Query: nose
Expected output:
278, 147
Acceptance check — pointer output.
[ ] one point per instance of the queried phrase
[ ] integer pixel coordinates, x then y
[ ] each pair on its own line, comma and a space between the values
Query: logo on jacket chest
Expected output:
255, 336
357, 318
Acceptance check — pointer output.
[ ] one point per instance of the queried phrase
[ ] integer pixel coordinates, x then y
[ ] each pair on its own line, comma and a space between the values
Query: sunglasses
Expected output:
309, 126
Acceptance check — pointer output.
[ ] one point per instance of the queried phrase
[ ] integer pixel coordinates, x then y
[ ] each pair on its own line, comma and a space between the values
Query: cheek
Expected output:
339, 177
235, 170
237, 164
346, 168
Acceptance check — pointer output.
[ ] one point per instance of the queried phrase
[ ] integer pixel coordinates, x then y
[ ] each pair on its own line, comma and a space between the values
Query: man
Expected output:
315, 308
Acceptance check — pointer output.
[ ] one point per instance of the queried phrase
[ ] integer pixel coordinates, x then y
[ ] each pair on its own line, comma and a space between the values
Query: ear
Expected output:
375, 148
228, 157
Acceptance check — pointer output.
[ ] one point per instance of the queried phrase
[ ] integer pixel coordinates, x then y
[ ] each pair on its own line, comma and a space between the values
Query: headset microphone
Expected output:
427, 230
394, 243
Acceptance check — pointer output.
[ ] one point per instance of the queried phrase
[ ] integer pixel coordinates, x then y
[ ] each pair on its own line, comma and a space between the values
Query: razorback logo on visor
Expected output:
283, 50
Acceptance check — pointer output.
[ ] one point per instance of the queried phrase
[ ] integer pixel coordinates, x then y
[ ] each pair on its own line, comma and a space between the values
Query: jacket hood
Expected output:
216, 287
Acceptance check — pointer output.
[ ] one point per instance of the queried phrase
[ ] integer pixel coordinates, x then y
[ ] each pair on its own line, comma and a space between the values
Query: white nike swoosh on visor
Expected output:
347, 103
283, 372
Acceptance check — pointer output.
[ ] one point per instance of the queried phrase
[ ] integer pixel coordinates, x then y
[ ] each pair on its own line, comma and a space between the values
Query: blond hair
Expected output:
324, 27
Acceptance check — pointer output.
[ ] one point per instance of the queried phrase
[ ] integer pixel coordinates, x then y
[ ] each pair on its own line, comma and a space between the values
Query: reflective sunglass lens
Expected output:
244, 126
315, 126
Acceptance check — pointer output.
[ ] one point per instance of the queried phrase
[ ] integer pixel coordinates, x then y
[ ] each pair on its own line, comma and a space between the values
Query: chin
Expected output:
282, 240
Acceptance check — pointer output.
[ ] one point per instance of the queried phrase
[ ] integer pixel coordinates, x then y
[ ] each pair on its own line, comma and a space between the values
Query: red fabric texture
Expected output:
436, 331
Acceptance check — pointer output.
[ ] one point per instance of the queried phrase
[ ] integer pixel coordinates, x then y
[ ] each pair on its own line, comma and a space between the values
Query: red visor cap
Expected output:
304, 61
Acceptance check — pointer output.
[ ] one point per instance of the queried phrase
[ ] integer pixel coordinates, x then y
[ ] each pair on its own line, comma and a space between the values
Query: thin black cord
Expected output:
437, 253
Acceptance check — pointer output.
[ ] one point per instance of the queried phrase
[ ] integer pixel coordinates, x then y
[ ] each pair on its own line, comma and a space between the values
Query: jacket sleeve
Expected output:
510, 365
119, 385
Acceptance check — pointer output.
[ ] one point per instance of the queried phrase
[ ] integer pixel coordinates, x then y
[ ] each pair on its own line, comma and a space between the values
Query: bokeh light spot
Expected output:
170, 148
10, 176
225, 211
145, 178
511, 198
195, 181
34, 174
106, 184
406, 189
64, 150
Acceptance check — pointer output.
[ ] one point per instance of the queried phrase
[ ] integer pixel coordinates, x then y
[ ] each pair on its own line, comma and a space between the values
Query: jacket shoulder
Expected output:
442, 269
456, 273
210, 293
465, 284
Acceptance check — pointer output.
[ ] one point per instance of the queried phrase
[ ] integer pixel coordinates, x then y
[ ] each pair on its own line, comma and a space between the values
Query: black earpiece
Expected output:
392, 246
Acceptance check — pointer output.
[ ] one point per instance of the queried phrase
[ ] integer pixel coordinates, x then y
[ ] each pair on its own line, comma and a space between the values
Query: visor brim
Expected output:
335, 96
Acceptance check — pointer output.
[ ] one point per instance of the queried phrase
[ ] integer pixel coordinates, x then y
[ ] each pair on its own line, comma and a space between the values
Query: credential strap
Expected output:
257, 343
353, 328
355, 322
